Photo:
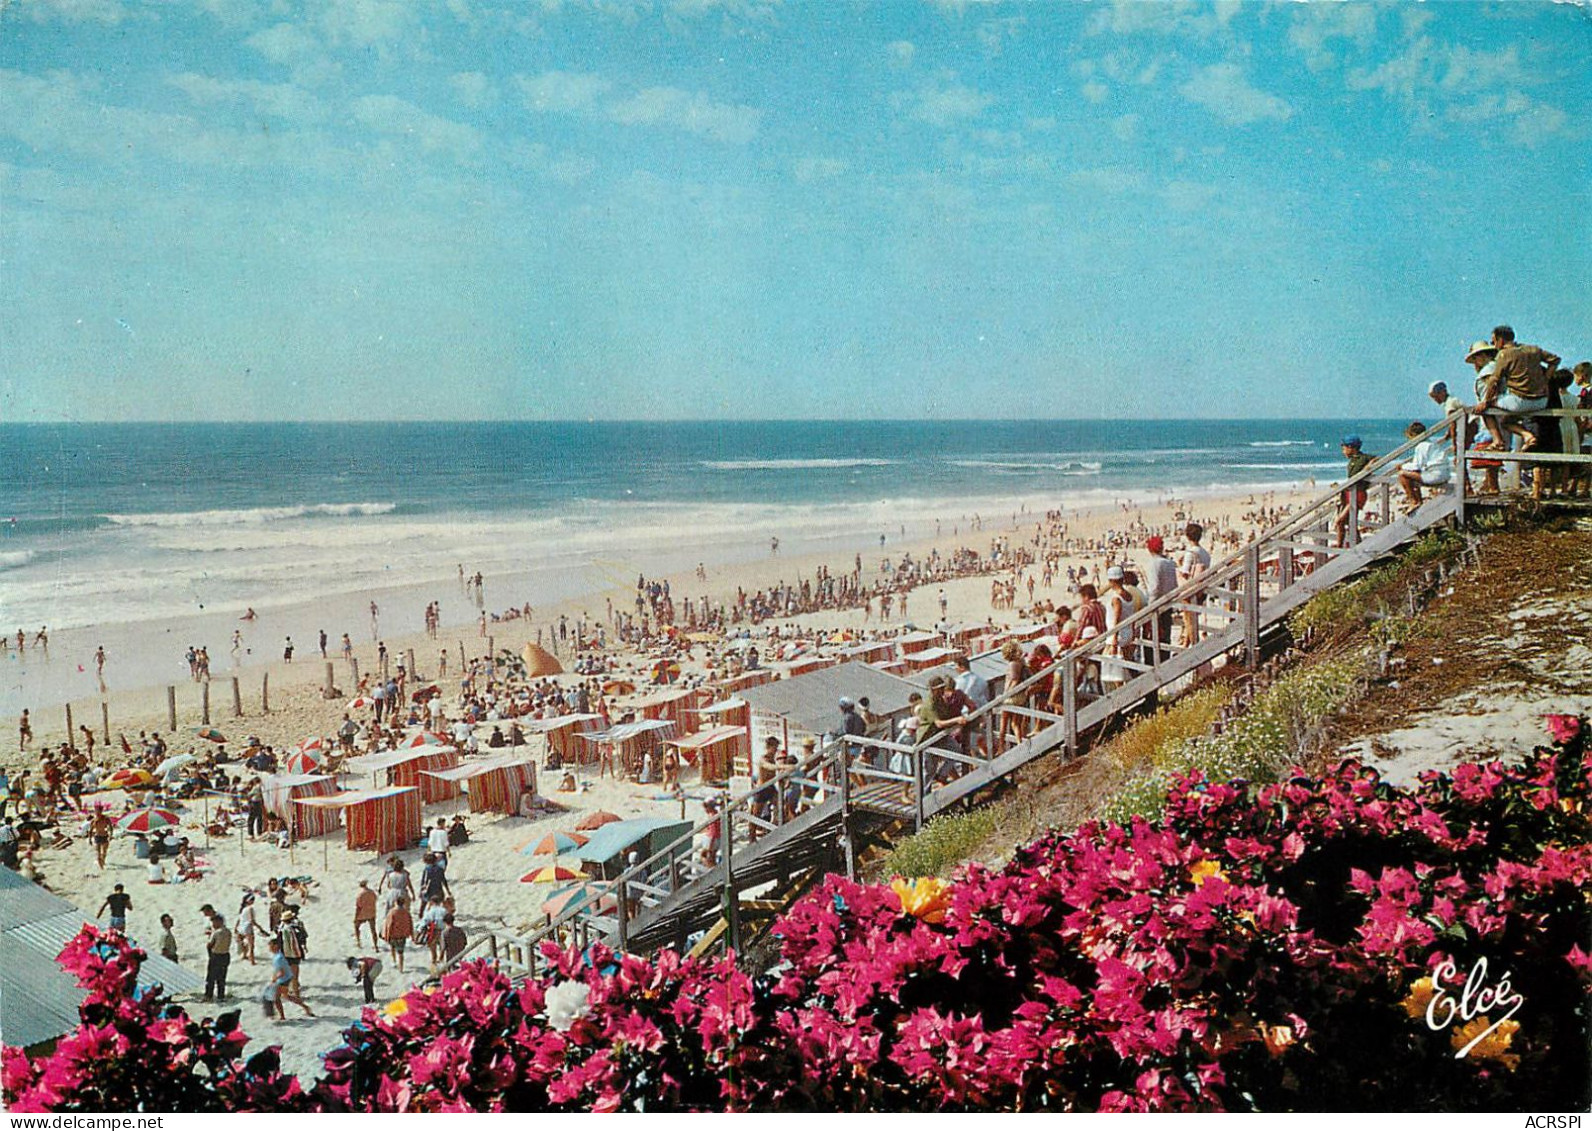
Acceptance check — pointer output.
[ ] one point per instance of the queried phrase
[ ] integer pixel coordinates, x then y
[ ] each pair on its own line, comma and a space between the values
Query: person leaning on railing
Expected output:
1519, 384
1428, 465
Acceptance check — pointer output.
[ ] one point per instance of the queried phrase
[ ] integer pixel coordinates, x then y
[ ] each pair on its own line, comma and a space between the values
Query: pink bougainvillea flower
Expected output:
1564, 728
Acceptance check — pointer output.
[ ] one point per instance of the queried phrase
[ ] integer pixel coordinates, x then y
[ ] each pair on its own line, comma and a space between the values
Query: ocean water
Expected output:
148, 538
115, 523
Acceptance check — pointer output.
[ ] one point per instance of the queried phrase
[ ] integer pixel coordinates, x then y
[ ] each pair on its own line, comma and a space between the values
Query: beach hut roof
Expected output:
811, 700
375, 763
38, 999
540, 726
270, 780
476, 769
620, 836
354, 797
706, 737
629, 730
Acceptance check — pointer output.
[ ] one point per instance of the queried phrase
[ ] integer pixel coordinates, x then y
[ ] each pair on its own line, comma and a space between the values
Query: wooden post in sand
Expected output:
326, 692
353, 662
171, 707
204, 702
71, 735
462, 665
237, 699
105, 721
265, 694
411, 667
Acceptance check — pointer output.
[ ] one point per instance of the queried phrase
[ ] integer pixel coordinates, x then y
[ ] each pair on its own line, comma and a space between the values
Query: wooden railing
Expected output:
1246, 592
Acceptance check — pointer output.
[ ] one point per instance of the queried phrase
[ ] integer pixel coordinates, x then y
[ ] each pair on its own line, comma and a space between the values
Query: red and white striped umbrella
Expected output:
361, 703
148, 820
303, 762
313, 745
424, 738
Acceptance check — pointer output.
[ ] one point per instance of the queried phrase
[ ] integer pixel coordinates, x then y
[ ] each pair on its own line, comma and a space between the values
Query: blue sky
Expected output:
381, 209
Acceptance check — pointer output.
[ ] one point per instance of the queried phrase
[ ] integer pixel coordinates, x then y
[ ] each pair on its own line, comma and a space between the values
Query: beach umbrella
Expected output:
665, 671
361, 703
147, 820
549, 874
303, 762
553, 843
423, 694
596, 820
313, 745
539, 661
618, 687
210, 734
131, 779
424, 738
600, 897
173, 764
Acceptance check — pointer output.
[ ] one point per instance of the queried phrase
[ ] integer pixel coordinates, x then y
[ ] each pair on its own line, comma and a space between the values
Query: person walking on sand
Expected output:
24, 729
99, 831
365, 913
168, 938
119, 903
365, 969
99, 665
281, 986
397, 929
246, 928
218, 948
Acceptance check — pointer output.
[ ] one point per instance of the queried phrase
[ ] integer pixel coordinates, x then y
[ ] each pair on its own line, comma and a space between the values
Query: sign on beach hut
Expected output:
714, 750
380, 820
281, 790
493, 787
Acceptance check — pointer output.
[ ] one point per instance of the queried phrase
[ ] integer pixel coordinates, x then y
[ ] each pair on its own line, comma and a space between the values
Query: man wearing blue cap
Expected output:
1353, 497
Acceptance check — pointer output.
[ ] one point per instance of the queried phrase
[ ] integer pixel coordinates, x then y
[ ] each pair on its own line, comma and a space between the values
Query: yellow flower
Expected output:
927, 898
1494, 1046
1419, 997
1205, 870
1277, 1037
395, 1008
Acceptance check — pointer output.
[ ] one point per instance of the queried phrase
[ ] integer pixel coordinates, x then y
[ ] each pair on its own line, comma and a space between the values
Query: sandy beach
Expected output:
485, 872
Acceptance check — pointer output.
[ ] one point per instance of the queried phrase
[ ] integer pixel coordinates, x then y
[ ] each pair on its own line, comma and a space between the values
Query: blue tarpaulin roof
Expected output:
619, 836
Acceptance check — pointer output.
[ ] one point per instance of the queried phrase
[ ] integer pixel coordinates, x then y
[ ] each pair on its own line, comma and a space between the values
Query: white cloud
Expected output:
1096, 92
1316, 26
993, 33
690, 111
1223, 90
108, 12
571, 92
809, 169
1182, 18
1125, 127
1188, 196
395, 117
944, 104
564, 92
473, 89
272, 100
1109, 179
900, 53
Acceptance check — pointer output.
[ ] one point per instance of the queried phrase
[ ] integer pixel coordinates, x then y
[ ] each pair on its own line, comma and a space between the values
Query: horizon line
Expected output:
365, 423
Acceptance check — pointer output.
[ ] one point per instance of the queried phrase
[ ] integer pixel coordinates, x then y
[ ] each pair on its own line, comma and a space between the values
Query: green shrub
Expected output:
1256, 746
943, 843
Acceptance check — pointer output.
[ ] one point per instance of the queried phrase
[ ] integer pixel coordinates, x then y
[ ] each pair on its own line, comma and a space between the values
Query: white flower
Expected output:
566, 1004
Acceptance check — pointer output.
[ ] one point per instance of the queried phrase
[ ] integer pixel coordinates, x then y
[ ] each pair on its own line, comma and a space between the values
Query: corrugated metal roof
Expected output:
38, 999
811, 700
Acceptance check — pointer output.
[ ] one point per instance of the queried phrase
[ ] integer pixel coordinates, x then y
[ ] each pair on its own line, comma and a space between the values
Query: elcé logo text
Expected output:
1469, 999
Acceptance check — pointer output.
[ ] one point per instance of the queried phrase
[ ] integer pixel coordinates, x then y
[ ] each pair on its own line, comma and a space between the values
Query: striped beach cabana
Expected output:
632, 742
494, 786
755, 678
380, 820
563, 735
715, 750
281, 790
408, 768
916, 642
670, 705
